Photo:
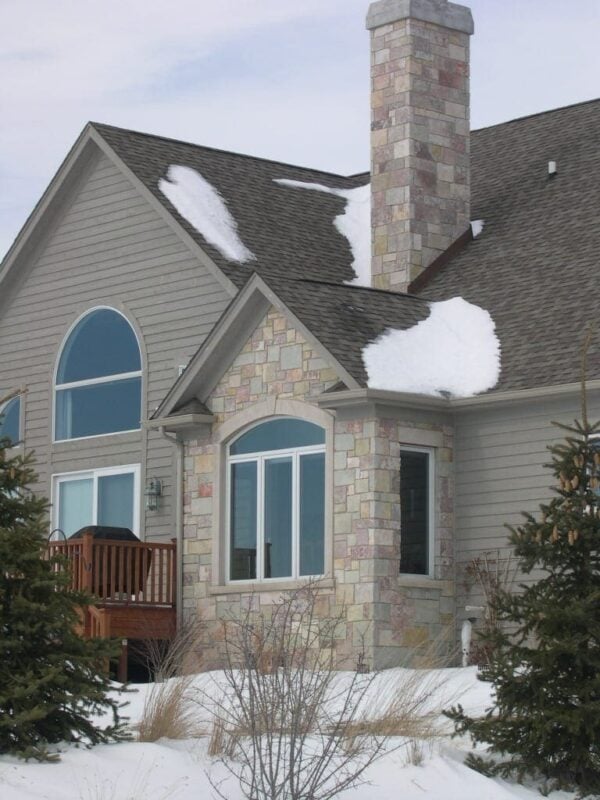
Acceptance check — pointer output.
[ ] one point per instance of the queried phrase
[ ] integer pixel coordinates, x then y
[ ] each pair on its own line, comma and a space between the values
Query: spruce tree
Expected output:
52, 681
545, 654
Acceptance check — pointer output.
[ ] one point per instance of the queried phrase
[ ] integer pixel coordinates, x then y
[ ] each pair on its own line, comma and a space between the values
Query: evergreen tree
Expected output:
545, 654
51, 680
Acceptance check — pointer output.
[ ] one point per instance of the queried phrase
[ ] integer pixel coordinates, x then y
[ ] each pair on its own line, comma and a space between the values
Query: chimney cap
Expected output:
438, 12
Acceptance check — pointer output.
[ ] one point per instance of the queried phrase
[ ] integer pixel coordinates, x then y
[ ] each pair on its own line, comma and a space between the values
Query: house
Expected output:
223, 349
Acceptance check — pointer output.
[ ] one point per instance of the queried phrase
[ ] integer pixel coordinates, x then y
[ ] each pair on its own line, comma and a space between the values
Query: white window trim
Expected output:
94, 474
431, 505
56, 387
260, 458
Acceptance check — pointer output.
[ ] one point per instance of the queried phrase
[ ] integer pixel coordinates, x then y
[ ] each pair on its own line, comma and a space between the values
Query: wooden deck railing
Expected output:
121, 572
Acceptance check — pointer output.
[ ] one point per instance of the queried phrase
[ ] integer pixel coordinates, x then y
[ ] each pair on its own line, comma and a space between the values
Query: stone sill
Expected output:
424, 582
271, 586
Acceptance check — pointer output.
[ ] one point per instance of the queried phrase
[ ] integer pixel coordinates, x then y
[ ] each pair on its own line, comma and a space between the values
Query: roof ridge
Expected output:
100, 125
537, 114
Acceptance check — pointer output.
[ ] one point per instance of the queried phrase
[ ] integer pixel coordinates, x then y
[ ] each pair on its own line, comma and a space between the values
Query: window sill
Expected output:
257, 587
424, 582
89, 441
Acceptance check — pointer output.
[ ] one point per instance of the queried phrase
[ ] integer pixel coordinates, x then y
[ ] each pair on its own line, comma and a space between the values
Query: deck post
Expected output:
122, 665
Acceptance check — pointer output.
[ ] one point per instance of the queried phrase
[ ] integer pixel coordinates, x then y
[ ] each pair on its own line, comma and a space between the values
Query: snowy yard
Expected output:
181, 769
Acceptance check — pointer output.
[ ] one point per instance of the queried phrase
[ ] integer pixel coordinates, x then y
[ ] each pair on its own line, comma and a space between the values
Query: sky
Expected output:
282, 79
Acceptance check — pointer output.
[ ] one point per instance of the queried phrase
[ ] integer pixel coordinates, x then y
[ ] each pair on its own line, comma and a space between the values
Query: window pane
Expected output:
115, 500
312, 514
102, 408
75, 505
10, 420
103, 343
278, 434
278, 518
243, 521
414, 513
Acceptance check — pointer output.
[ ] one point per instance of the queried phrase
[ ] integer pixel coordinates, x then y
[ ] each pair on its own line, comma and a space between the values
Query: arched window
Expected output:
99, 378
276, 490
10, 421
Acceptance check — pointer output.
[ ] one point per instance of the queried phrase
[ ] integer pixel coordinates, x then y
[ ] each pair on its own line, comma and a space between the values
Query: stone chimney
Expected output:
420, 181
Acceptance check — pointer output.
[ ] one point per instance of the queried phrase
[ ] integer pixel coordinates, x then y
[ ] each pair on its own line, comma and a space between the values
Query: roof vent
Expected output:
552, 169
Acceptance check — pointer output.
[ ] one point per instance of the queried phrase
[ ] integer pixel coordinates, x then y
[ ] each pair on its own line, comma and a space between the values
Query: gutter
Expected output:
352, 397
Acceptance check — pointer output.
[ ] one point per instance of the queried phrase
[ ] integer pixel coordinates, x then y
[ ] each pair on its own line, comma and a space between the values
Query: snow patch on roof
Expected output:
203, 207
455, 351
354, 224
477, 227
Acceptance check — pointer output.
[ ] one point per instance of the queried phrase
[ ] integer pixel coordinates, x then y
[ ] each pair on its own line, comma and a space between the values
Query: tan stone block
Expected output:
362, 447
414, 637
204, 464
355, 613
199, 546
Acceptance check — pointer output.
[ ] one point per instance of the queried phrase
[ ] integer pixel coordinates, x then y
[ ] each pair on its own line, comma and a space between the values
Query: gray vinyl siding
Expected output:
499, 473
108, 247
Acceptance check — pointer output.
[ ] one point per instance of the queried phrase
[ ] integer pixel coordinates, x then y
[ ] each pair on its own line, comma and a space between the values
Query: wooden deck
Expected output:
134, 584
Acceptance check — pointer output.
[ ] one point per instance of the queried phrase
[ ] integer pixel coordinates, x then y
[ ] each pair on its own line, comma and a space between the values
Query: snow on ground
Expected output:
454, 351
354, 224
203, 207
181, 769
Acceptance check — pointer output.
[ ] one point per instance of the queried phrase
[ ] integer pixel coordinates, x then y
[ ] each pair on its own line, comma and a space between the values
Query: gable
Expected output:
276, 361
109, 246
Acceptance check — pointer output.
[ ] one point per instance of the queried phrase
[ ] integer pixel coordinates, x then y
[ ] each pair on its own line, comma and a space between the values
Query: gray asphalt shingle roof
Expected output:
534, 267
346, 318
290, 231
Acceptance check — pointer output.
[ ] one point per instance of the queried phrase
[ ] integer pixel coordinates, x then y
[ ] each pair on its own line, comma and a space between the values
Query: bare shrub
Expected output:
180, 655
286, 724
169, 712
490, 574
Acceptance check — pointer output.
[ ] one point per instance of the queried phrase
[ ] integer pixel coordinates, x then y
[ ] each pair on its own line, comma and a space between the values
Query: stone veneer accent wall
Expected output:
419, 134
279, 372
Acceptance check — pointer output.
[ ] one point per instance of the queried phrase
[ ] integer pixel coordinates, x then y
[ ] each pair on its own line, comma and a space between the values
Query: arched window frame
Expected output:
261, 457
18, 398
56, 387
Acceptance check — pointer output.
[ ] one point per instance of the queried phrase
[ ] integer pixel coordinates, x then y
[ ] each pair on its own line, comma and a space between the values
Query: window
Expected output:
416, 511
10, 421
99, 378
277, 501
99, 497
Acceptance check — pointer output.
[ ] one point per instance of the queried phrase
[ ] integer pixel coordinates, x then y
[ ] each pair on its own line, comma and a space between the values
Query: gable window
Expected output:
416, 511
277, 501
10, 421
99, 378
99, 497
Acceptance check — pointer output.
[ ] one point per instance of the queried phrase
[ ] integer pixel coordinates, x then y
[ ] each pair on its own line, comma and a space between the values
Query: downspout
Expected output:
179, 472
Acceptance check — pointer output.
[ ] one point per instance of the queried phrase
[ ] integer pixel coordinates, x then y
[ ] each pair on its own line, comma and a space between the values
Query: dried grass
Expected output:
168, 712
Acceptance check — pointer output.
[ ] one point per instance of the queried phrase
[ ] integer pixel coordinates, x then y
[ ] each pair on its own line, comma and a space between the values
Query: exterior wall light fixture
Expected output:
153, 494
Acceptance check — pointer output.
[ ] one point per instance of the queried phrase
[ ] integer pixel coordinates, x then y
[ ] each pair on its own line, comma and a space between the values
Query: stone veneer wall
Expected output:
419, 137
386, 615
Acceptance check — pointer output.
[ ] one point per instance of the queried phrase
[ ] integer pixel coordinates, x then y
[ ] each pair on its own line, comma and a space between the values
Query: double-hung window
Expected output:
276, 501
99, 497
10, 421
416, 511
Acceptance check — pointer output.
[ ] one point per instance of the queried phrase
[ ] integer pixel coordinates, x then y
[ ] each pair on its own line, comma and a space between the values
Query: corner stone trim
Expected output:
438, 12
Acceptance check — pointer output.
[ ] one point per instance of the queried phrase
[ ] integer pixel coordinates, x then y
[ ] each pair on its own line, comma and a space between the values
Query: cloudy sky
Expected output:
285, 79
